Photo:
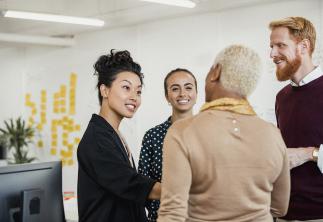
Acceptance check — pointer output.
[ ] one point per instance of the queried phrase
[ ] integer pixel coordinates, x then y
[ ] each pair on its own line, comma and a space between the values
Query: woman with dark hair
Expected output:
109, 187
180, 92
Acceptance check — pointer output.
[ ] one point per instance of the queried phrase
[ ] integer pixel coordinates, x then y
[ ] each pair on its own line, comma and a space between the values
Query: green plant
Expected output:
18, 136
3, 146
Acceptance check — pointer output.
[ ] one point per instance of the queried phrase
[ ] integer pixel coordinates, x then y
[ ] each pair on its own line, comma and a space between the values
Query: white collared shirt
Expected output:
316, 73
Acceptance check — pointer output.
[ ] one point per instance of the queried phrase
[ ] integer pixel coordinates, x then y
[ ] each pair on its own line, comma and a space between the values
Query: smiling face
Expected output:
285, 53
123, 97
181, 91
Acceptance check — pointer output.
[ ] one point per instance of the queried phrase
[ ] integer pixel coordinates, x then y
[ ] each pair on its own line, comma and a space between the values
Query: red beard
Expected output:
290, 68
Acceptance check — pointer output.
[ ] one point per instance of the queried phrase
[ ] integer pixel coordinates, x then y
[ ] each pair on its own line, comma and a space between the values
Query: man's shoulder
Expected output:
284, 91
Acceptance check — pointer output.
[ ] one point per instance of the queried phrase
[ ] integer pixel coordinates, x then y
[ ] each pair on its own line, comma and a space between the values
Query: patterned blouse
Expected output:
150, 160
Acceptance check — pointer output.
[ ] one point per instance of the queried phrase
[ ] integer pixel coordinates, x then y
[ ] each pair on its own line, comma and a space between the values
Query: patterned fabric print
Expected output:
150, 160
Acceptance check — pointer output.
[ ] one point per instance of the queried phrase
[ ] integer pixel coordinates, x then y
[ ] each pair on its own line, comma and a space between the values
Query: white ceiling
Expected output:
114, 12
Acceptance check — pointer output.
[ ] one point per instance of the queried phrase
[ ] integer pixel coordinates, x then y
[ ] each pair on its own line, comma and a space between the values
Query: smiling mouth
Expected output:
131, 107
278, 61
183, 101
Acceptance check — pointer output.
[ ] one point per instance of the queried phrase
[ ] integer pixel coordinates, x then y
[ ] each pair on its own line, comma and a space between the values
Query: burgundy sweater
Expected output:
299, 113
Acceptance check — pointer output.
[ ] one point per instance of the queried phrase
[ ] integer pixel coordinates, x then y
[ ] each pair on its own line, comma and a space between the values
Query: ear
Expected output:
305, 46
216, 73
104, 91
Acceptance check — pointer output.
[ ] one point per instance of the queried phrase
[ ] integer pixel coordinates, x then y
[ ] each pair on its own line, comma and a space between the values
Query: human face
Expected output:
123, 97
181, 91
285, 53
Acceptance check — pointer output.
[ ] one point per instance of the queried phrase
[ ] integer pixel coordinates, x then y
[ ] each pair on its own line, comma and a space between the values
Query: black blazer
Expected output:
109, 189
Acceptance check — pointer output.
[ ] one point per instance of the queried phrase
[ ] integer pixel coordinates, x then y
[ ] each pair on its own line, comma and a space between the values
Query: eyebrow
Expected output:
186, 84
125, 80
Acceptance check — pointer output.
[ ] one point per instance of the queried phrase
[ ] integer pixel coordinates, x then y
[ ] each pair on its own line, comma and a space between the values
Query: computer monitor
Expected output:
31, 193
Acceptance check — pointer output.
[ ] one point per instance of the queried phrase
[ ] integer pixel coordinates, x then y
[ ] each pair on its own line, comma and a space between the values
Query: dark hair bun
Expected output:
108, 66
116, 61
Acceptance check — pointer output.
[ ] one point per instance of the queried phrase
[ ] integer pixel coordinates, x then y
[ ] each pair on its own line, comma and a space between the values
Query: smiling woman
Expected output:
180, 92
109, 187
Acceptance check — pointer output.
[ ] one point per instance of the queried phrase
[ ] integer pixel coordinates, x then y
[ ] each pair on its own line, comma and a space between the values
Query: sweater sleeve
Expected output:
176, 180
281, 189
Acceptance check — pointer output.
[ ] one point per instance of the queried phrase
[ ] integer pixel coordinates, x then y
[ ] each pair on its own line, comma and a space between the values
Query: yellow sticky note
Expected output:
43, 120
69, 154
28, 103
72, 93
77, 127
53, 152
65, 143
70, 162
63, 102
63, 94
31, 120
63, 153
39, 127
70, 147
54, 136
77, 140
40, 144
70, 129
33, 112
54, 143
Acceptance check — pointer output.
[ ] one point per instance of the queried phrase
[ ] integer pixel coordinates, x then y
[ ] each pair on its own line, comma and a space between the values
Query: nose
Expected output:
273, 52
182, 92
133, 96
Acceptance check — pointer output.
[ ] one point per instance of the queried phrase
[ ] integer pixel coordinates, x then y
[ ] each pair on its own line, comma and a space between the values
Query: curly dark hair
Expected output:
107, 67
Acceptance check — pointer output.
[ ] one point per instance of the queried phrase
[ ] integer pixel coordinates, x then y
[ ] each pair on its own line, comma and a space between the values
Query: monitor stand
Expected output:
33, 206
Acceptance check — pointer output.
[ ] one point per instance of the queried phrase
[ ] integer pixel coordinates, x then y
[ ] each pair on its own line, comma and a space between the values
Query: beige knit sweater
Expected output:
222, 166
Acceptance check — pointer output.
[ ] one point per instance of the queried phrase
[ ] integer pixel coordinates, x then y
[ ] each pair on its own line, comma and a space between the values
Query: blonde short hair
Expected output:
241, 69
299, 28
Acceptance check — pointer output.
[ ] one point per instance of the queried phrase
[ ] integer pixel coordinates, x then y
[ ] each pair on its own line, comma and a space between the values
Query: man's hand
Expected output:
298, 156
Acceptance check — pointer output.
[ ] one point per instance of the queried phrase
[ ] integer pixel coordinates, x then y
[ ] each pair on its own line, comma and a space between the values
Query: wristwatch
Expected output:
315, 154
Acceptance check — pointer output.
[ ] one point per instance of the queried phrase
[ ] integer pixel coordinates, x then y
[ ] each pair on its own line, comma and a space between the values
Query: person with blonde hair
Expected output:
299, 108
225, 163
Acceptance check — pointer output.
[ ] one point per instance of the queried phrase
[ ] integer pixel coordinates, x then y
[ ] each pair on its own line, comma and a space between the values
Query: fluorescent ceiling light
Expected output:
181, 3
38, 40
53, 18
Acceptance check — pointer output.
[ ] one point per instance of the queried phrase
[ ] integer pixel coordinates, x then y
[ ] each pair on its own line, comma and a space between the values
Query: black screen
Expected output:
34, 189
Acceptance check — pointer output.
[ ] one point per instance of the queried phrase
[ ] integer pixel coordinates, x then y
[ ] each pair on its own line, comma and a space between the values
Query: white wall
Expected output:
189, 42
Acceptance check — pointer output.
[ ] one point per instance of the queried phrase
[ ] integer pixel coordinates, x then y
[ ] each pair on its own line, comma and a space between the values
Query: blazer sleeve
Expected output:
281, 188
176, 180
107, 167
